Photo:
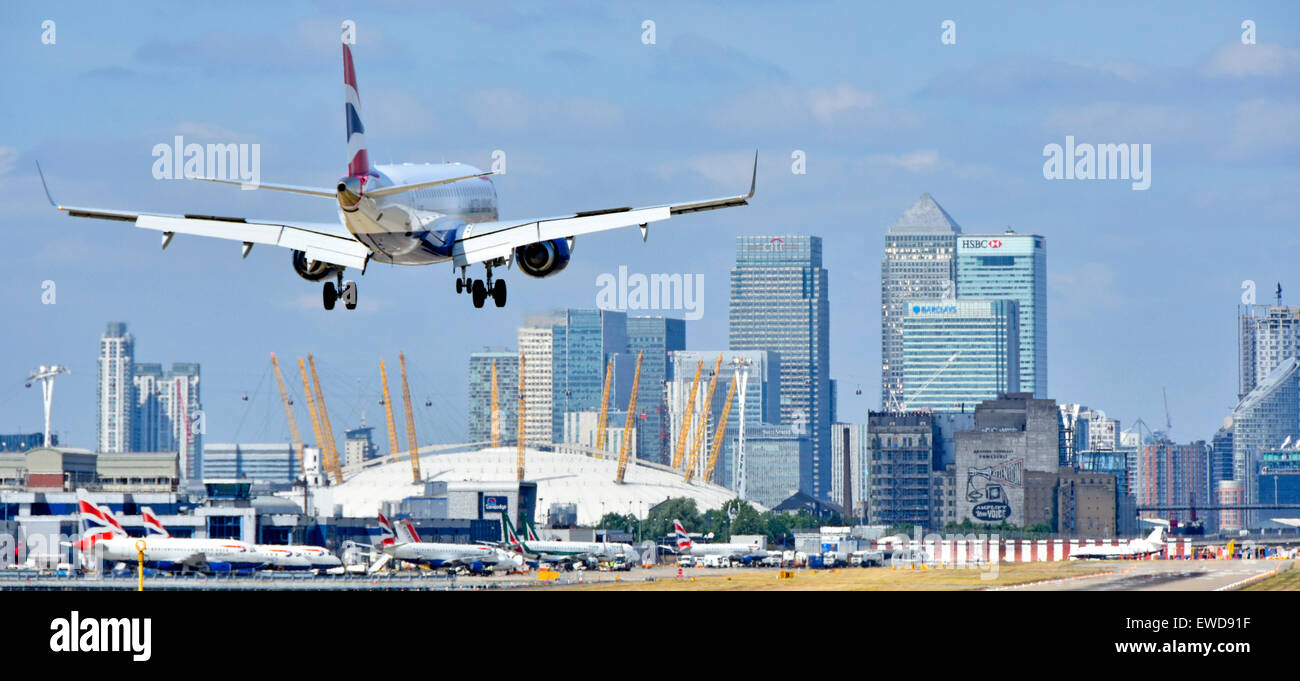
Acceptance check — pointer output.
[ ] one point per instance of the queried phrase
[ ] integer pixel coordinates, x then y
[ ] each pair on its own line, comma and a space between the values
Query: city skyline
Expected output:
1121, 279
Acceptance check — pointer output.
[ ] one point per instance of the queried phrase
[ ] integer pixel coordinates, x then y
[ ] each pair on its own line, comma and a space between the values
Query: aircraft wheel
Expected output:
479, 292
499, 293
460, 286
330, 295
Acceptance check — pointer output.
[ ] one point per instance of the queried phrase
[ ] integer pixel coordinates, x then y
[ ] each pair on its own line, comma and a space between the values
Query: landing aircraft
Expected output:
1135, 548
406, 214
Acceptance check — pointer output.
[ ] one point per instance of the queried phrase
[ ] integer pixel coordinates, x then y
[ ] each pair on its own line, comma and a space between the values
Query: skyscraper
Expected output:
582, 346
167, 413
1011, 266
1266, 417
1170, 473
480, 395
919, 264
655, 337
116, 391
537, 346
959, 353
1269, 335
762, 401
779, 302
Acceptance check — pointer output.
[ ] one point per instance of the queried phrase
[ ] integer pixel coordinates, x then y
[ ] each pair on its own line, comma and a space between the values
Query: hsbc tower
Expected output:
1011, 266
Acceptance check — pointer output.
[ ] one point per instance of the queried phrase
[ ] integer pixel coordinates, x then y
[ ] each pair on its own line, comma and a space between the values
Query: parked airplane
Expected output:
735, 551
564, 551
403, 543
1135, 548
104, 537
283, 557
407, 214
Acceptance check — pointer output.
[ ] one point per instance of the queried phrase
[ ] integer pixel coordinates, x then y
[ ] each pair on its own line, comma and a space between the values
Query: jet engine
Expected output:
311, 270
543, 258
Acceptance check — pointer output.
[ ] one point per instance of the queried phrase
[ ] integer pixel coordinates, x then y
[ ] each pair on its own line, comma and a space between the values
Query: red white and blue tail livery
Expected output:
406, 214
152, 524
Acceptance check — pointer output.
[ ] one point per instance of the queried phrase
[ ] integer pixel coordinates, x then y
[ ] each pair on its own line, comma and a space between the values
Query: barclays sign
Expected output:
934, 309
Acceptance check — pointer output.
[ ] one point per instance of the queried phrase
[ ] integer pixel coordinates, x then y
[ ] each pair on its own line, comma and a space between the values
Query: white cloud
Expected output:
8, 156
839, 107
1254, 60
1265, 125
1123, 70
1117, 122
504, 109
209, 132
926, 161
724, 169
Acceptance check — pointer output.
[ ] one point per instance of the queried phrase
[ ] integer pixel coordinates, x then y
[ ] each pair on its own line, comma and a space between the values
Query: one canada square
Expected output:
919, 264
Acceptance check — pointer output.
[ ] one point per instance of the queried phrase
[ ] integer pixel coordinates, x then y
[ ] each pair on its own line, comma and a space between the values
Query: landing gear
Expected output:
343, 290
480, 290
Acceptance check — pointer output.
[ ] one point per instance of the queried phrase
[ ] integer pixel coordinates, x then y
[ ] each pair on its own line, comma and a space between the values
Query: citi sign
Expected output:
981, 243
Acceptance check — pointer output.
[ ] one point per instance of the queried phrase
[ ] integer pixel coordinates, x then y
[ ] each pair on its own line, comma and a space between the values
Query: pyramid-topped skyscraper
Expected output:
919, 263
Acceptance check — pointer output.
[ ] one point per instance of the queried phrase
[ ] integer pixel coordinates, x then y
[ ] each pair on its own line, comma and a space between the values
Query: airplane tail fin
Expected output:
509, 529
683, 539
530, 532
387, 537
1157, 535
358, 157
152, 524
97, 523
409, 533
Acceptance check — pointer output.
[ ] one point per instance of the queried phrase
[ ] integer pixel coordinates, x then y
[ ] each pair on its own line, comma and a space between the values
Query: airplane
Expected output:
408, 214
404, 544
734, 551
104, 537
284, 557
1135, 548
565, 552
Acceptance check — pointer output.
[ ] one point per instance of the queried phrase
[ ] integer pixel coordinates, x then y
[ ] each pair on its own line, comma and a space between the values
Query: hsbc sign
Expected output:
981, 243
1000, 244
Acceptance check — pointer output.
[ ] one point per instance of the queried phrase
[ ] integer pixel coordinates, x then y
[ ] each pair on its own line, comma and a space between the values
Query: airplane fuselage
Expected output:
419, 227
171, 553
436, 554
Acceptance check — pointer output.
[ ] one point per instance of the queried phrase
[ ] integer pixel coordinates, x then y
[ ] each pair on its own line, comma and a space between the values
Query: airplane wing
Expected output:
321, 241
488, 241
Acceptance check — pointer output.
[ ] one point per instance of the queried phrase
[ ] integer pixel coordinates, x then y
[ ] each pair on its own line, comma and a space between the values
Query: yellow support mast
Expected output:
294, 435
494, 429
719, 433
697, 447
388, 411
686, 419
522, 434
311, 409
410, 422
631, 421
604, 407
330, 451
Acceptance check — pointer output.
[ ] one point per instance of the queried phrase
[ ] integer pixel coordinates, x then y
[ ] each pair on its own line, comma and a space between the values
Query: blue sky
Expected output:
1142, 284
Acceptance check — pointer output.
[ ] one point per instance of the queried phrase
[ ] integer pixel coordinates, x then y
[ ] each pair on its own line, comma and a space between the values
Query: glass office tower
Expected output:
1011, 266
959, 353
779, 303
655, 337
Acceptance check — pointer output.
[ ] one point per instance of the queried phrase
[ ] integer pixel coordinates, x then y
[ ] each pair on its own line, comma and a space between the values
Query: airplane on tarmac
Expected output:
104, 537
408, 214
283, 557
734, 551
403, 543
563, 551
1135, 548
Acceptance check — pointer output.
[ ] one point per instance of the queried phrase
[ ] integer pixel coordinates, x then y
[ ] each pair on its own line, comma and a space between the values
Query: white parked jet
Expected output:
1135, 548
407, 215
563, 551
104, 537
283, 557
735, 551
403, 543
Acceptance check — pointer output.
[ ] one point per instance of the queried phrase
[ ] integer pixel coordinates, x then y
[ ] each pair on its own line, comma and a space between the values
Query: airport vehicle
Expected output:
405, 214
402, 542
283, 557
731, 551
564, 553
1135, 548
103, 537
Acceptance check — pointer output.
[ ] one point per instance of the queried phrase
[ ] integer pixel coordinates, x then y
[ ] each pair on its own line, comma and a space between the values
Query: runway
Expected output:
1165, 575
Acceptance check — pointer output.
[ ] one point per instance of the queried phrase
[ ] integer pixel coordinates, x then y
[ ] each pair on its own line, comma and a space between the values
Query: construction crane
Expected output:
719, 433
494, 429
935, 377
521, 435
311, 409
294, 435
697, 447
388, 411
1169, 427
686, 419
330, 451
604, 407
410, 422
631, 421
